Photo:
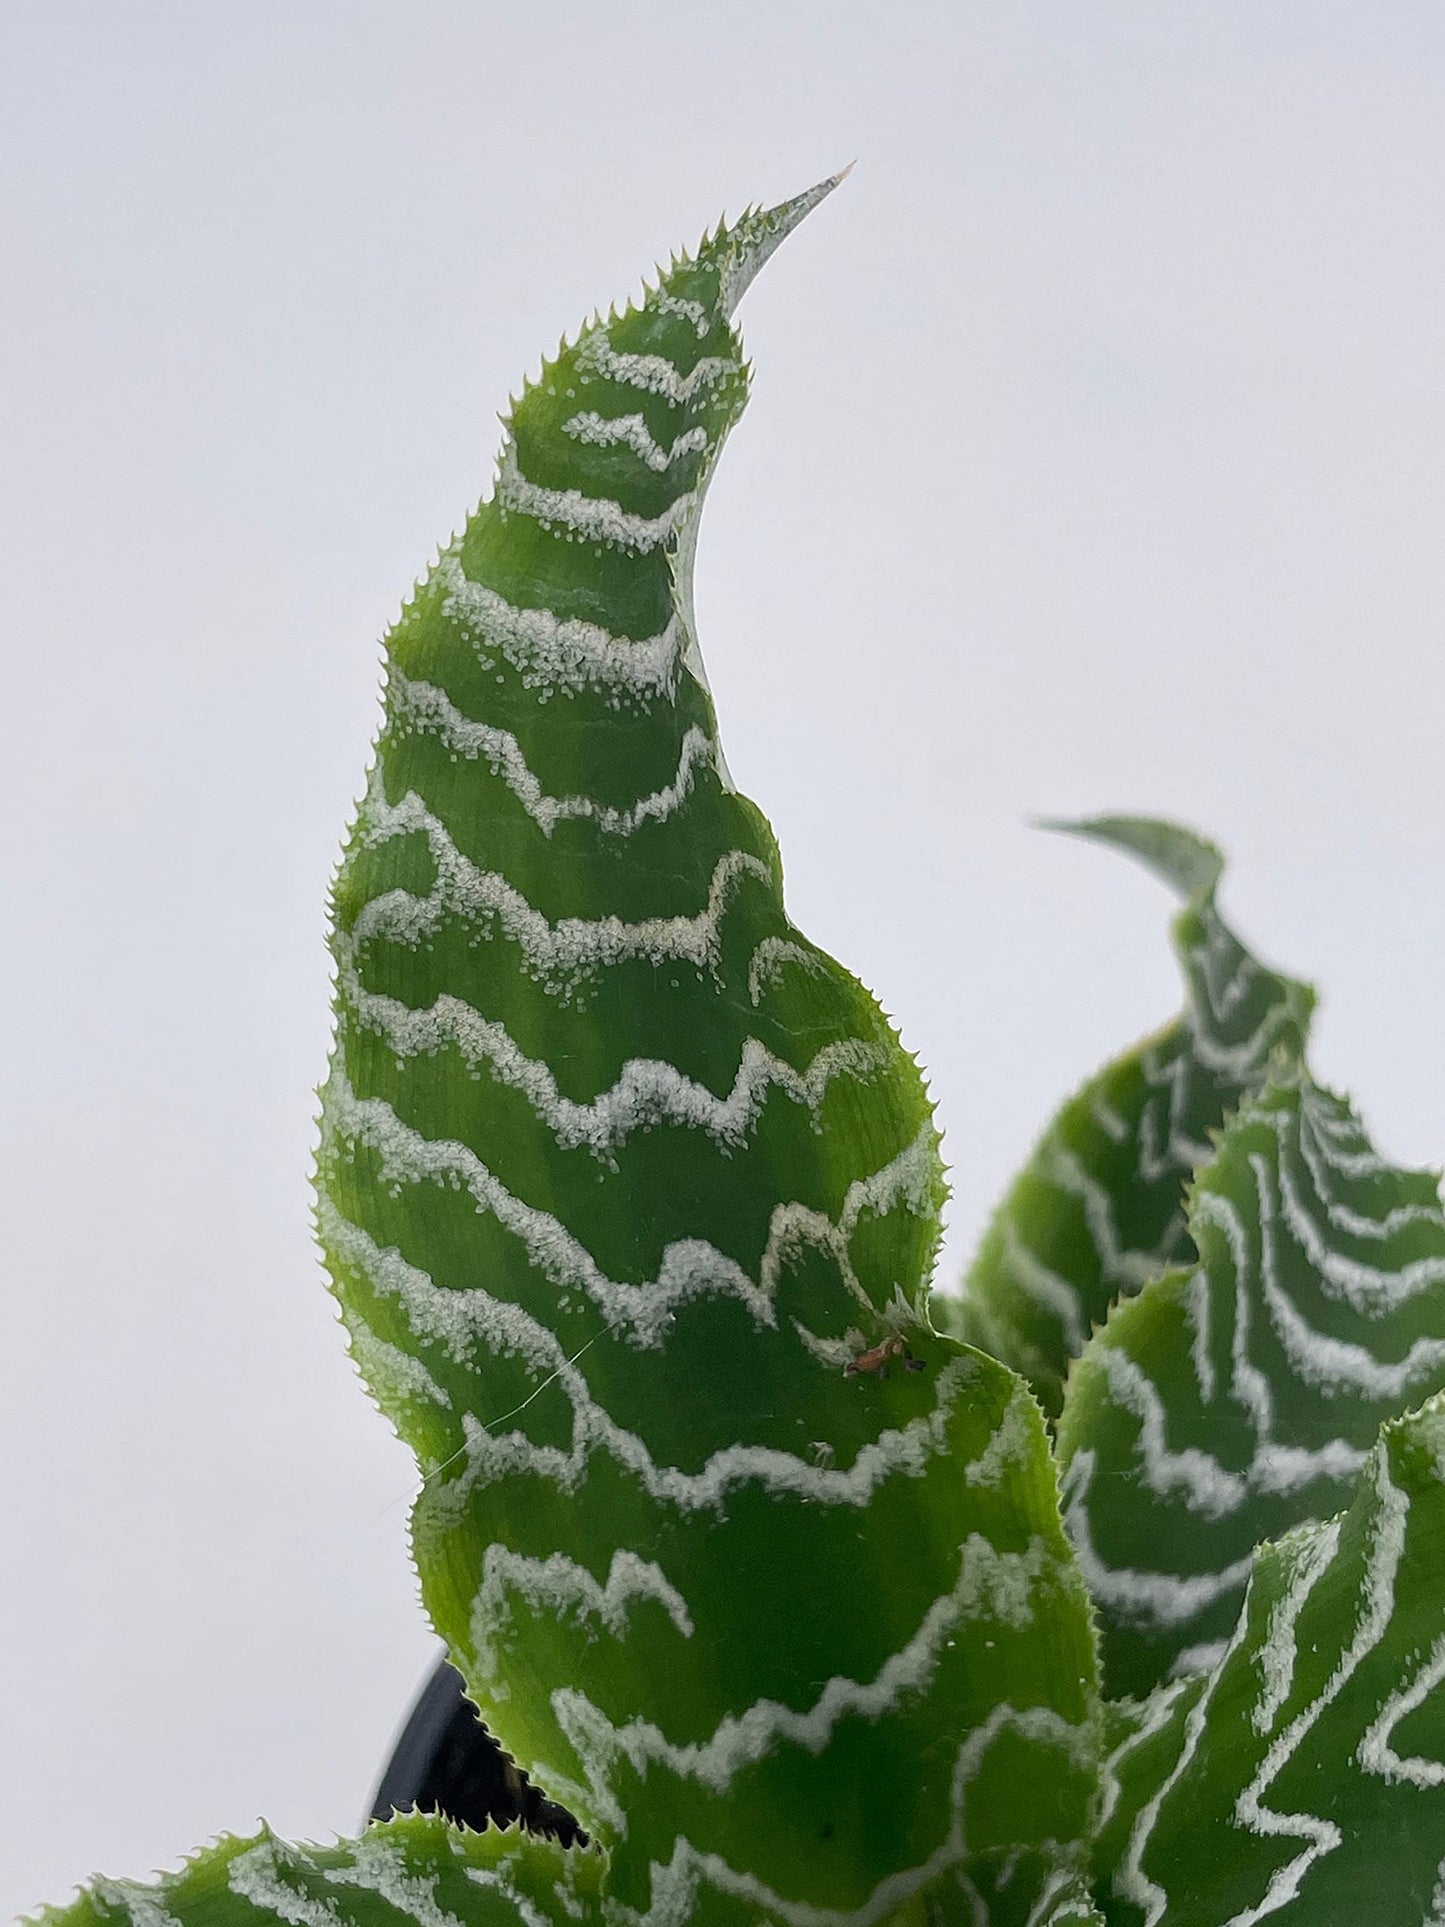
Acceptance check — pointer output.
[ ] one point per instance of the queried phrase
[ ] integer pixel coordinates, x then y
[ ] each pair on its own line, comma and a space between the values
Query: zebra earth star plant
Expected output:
752, 1558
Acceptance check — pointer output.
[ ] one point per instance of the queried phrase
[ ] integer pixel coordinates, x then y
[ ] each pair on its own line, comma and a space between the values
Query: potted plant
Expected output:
1110, 1590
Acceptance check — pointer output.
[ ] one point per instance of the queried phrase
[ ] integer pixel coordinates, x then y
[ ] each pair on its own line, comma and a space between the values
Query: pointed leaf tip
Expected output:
1097, 1210
1180, 857
757, 234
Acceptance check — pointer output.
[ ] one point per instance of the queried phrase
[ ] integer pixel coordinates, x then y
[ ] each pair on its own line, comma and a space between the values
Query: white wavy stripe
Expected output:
1203, 1483
1209, 1487
1121, 1266
1361, 1159
1223, 972
652, 374
256, 1876
606, 431
1015, 1439
1376, 1755
1197, 1309
831, 1352
1240, 1062
1140, 1597
1247, 1384
1158, 1711
1319, 1159
1153, 1160
1368, 1289
674, 1901
1331, 1364
692, 311
560, 1586
1309, 1557
461, 1318
992, 1587
424, 707
402, 1373
1201, 1658
141, 1908
1130, 1880
555, 652
457, 1318
1341, 1125
648, 1091
1279, 1469
589, 518
499, 1880
1065, 1901
774, 955
490, 1457
561, 954
1436, 1915
1111, 1122
690, 1267
1048, 1289
1226, 969
1168, 1068
379, 1866
1322, 1836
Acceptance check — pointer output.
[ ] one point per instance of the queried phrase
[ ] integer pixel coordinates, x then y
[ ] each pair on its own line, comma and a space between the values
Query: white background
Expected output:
1096, 460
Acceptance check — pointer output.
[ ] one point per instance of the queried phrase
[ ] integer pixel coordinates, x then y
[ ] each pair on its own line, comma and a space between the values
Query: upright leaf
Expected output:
1098, 1209
1230, 1401
618, 1174
1302, 1781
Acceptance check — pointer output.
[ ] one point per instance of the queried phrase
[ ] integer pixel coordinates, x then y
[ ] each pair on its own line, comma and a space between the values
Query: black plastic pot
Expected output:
446, 1761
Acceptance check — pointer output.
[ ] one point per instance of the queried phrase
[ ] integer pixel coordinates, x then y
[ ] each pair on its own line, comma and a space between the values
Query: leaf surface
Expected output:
1098, 1209
1229, 1402
413, 1871
1302, 1780
619, 1174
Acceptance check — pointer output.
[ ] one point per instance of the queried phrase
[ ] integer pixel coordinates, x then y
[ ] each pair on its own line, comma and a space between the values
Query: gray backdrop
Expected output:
1095, 461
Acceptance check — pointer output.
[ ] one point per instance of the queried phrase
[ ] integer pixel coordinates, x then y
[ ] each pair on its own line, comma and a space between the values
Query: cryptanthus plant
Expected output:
1110, 1590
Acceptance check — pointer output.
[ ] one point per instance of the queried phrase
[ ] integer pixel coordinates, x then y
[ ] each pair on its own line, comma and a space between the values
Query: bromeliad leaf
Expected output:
413, 1871
619, 1173
1230, 1401
1303, 1779
1098, 1209
1069, 1905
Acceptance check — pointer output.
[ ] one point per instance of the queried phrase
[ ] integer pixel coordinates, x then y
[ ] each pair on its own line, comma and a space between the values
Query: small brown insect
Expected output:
881, 1356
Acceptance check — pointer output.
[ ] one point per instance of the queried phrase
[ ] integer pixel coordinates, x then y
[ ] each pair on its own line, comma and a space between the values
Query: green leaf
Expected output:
1231, 1401
1303, 1779
619, 1173
1097, 1210
413, 1869
1070, 1905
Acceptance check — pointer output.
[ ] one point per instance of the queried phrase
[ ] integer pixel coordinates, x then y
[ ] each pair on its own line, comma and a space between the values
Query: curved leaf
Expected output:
1227, 1403
1098, 1208
1302, 1781
413, 1871
619, 1175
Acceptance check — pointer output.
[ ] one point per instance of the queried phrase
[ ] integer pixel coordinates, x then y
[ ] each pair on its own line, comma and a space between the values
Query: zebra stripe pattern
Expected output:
413, 1871
1231, 1401
618, 1175
1098, 1209
1302, 1779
